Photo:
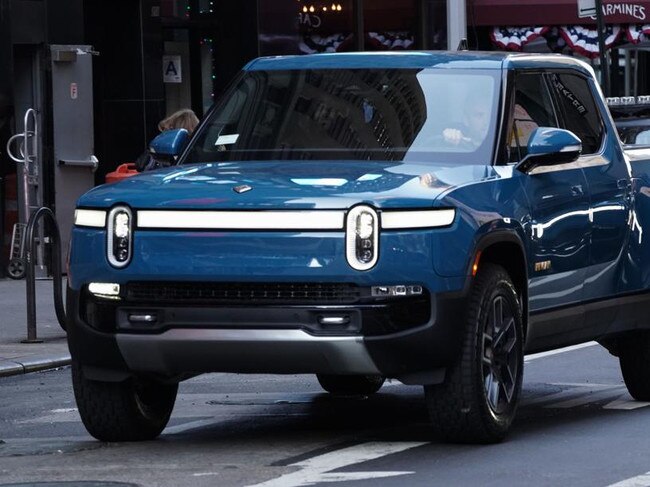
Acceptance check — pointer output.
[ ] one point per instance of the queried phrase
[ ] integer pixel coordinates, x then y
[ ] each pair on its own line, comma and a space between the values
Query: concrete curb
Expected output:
34, 363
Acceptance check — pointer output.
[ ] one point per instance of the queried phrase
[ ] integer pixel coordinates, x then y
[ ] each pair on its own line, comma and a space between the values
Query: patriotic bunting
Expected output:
584, 41
313, 43
638, 33
514, 38
581, 39
389, 40
378, 41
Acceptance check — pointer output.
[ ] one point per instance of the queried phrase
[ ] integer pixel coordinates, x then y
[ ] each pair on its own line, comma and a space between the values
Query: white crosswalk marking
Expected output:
638, 481
182, 428
314, 470
586, 398
563, 395
536, 356
581, 394
626, 403
575, 390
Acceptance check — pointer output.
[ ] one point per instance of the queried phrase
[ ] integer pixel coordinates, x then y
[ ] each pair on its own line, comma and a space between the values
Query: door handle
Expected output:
577, 190
91, 162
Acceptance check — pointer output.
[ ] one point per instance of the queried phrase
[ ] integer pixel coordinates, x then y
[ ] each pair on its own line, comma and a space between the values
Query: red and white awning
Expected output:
554, 12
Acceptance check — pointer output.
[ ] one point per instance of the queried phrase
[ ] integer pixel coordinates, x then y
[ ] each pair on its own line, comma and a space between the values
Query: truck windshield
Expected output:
441, 115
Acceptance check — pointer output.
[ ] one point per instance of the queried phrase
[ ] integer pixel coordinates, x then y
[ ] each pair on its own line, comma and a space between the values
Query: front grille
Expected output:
243, 293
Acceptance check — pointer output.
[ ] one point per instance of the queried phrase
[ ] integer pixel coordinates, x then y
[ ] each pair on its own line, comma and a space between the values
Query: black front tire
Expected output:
132, 410
477, 402
350, 384
634, 357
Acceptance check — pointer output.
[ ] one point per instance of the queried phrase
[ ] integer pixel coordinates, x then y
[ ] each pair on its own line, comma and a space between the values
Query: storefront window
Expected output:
305, 26
192, 61
176, 70
390, 24
187, 9
175, 9
325, 26
436, 21
315, 26
278, 27
206, 7
208, 74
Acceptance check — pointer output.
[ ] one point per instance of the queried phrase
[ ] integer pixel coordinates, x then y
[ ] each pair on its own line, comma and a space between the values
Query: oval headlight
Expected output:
362, 238
120, 236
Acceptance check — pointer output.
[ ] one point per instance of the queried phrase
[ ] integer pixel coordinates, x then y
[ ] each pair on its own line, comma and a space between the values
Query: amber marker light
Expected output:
475, 266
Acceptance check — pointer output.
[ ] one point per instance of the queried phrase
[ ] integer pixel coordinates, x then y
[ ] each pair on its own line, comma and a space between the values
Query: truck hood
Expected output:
287, 184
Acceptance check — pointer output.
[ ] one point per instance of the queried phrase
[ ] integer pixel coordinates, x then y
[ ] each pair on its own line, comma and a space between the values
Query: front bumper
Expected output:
278, 351
189, 340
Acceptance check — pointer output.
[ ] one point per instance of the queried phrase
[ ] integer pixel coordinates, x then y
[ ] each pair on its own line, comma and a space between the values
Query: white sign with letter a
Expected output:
172, 69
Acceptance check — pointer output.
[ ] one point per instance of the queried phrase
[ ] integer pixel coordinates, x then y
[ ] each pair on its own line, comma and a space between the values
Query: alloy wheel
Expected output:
500, 362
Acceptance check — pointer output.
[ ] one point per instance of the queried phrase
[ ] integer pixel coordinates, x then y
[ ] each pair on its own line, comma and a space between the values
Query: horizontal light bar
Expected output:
242, 220
268, 220
90, 218
106, 290
397, 220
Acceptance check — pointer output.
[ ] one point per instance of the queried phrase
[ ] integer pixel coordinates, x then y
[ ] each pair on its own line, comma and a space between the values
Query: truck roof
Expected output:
419, 60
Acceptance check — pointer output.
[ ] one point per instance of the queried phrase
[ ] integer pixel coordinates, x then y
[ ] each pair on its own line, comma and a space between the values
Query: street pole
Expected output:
456, 23
604, 68
359, 31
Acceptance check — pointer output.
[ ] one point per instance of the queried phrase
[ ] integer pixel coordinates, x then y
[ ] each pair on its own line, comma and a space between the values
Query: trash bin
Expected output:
123, 171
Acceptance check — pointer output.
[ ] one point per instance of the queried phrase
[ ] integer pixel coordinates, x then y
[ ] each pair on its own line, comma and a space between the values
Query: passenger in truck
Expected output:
181, 119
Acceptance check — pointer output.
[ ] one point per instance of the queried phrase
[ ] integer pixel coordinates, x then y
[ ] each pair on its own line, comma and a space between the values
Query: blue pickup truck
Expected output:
429, 217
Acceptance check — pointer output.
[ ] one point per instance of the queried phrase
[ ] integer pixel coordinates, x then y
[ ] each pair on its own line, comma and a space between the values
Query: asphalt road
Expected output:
577, 426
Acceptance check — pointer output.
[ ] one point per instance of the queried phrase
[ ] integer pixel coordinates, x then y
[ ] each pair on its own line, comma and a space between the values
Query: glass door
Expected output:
189, 68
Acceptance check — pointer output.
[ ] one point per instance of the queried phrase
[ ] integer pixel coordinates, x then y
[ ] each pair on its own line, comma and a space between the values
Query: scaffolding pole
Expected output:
456, 23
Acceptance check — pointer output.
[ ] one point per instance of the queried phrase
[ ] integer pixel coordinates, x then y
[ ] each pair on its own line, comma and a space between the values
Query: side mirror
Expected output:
549, 146
169, 144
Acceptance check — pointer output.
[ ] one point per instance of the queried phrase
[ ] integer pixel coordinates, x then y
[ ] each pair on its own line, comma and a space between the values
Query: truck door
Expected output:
559, 210
609, 183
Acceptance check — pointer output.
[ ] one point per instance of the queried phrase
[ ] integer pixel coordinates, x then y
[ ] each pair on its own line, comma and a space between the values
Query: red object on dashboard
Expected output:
123, 171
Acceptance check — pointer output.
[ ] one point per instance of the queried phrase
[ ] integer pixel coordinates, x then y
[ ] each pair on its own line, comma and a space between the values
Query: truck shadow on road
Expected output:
399, 414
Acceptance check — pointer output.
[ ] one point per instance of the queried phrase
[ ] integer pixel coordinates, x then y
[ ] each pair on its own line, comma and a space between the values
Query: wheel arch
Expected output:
506, 249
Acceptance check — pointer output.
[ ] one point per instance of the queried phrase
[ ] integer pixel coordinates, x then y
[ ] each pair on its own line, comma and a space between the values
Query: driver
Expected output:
475, 124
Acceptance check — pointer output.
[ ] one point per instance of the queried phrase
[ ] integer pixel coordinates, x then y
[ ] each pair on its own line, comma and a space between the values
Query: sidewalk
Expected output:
20, 358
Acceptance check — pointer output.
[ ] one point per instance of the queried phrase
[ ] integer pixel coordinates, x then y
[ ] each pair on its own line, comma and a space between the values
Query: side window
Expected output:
533, 108
578, 109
